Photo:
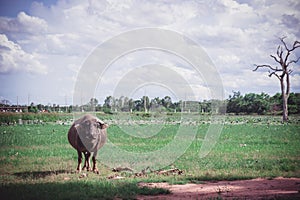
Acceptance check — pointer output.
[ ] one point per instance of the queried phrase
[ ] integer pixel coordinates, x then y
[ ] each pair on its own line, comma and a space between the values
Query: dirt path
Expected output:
278, 188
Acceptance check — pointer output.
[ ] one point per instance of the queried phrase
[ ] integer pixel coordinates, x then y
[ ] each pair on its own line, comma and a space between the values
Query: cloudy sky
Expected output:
44, 45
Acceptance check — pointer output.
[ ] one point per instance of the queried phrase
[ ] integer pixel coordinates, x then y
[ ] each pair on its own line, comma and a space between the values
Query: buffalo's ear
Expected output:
101, 125
98, 124
104, 126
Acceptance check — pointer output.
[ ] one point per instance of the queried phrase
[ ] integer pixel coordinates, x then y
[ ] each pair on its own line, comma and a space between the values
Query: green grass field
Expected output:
37, 161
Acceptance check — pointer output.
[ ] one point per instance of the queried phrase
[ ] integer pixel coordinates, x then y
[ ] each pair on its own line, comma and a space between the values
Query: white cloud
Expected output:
235, 34
248, 81
13, 58
23, 24
295, 82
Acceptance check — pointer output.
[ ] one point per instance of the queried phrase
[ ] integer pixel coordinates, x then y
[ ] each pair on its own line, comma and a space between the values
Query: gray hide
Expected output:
87, 134
91, 131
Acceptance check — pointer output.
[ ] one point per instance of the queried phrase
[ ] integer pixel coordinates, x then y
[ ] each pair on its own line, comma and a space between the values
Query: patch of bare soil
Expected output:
277, 188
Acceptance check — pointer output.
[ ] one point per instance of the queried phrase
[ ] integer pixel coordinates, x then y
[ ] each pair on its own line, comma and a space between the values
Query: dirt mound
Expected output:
278, 188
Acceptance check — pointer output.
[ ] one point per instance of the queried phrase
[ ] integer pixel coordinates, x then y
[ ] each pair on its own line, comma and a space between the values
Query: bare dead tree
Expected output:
283, 72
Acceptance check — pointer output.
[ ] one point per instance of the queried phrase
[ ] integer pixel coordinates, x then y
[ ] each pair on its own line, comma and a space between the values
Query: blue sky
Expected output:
44, 43
11, 8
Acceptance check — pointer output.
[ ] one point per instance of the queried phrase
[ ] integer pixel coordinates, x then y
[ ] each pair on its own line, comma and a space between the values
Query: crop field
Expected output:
37, 162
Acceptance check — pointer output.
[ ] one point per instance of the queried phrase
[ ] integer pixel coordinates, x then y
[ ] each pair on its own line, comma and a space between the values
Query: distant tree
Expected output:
146, 103
262, 103
176, 106
155, 103
234, 103
40, 107
205, 106
294, 103
255, 103
125, 104
167, 102
215, 106
276, 98
283, 72
138, 105
130, 105
32, 108
91, 105
94, 101
70, 109
5, 102
250, 103
108, 102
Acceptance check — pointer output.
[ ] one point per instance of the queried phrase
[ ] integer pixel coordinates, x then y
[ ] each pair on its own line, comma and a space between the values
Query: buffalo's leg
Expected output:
95, 169
87, 161
79, 160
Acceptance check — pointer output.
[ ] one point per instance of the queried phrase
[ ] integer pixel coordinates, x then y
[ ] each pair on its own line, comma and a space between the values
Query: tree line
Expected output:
237, 103
261, 103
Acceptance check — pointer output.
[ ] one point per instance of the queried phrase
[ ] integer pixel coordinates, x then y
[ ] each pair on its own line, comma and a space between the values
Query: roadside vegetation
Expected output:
251, 103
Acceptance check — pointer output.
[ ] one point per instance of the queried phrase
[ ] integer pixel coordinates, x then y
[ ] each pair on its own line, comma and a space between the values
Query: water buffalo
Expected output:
87, 135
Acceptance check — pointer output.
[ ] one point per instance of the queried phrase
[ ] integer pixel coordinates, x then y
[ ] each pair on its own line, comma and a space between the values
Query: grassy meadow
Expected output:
37, 162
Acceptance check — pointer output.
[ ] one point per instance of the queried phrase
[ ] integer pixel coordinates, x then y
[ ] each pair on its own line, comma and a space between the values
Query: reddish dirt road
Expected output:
277, 188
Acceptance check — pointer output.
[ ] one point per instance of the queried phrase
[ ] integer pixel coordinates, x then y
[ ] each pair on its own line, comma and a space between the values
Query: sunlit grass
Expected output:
37, 160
